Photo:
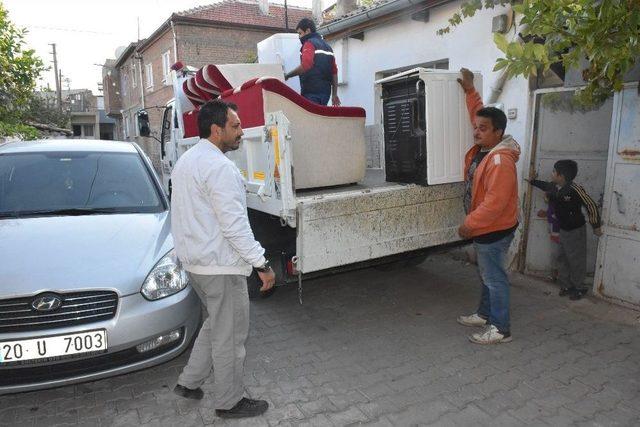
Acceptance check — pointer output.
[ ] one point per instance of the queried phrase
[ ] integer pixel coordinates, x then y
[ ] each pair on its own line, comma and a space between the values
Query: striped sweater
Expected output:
568, 202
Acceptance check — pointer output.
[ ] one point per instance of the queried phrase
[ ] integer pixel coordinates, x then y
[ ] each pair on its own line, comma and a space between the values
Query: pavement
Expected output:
383, 348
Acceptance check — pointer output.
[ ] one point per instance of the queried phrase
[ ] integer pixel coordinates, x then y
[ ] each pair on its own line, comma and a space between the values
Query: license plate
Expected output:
52, 347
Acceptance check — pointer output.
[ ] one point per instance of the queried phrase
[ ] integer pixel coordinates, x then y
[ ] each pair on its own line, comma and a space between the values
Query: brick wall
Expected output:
159, 93
129, 85
111, 88
199, 46
131, 98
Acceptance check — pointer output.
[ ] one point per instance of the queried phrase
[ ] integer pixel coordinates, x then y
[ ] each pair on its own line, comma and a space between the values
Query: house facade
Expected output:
222, 33
123, 92
392, 36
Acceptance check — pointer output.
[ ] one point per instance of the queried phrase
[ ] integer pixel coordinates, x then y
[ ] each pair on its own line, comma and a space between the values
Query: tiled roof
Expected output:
247, 12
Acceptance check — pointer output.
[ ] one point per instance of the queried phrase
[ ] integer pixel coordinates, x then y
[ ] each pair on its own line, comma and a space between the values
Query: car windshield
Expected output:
75, 183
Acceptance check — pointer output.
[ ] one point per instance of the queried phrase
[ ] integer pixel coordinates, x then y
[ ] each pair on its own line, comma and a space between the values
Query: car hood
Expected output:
64, 253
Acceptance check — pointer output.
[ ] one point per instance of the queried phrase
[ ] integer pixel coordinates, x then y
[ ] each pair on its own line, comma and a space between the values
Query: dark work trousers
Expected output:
572, 260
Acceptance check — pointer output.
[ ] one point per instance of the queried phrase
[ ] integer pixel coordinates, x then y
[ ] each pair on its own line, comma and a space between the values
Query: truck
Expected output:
396, 213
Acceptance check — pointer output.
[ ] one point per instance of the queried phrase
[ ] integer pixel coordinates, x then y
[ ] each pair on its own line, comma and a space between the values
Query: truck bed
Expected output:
374, 178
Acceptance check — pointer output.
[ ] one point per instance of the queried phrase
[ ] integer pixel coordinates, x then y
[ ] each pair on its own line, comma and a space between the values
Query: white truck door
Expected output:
168, 154
618, 262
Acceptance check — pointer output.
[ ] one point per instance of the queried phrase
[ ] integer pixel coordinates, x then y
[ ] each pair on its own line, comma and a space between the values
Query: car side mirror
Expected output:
143, 123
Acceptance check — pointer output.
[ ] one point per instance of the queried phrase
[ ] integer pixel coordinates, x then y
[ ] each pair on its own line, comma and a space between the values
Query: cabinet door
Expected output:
448, 128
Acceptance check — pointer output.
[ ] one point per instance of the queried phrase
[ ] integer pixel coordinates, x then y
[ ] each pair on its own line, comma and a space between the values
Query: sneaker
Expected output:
566, 291
244, 409
189, 393
577, 293
472, 320
491, 335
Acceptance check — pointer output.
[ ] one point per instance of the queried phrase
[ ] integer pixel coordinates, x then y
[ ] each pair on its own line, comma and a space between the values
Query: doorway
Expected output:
563, 130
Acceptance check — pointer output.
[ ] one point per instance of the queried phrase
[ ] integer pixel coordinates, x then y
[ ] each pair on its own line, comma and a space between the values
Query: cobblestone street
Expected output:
384, 348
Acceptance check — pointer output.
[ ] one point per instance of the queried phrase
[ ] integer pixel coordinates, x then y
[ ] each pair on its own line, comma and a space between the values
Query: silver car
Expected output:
89, 283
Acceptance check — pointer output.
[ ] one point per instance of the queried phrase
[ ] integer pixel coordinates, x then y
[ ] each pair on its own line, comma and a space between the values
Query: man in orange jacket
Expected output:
491, 205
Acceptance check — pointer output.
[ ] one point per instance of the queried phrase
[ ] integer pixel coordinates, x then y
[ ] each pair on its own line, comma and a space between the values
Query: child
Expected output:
568, 198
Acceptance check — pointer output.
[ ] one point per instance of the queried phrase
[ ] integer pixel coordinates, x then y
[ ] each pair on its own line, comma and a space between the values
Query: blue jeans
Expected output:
318, 98
494, 302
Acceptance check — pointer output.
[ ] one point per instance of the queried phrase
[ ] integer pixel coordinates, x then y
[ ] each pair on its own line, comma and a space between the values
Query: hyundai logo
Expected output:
47, 302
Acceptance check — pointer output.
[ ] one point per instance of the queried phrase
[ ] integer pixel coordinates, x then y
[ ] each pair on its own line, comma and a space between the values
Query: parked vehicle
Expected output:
90, 284
312, 203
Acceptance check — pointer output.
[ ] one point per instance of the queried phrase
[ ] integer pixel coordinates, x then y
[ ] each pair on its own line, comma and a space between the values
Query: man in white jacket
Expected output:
214, 242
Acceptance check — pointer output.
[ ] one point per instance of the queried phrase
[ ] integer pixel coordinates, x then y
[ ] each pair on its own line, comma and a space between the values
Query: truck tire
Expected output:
415, 261
253, 287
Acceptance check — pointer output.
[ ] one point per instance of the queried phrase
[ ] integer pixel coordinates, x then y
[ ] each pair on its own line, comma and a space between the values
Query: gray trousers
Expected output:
220, 342
572, 259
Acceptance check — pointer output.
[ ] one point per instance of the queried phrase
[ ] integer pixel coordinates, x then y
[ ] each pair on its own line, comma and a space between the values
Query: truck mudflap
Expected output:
351, 227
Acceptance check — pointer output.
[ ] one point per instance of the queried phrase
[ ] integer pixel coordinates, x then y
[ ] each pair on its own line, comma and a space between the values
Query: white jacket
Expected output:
209, 219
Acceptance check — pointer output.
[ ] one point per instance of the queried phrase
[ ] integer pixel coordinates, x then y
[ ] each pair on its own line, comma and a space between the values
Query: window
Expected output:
31, 183
166, 67
136, 124
149, 72
125, 82
126, 127
77, 130
88, 130
134, 80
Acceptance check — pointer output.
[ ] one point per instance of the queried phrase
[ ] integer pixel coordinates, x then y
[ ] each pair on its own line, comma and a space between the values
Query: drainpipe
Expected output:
139, 58
175, 41
496, 89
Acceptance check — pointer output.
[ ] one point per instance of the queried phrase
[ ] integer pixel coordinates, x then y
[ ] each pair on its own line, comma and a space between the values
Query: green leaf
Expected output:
605, 33
500, 64
539, 52
515, 50
501, 42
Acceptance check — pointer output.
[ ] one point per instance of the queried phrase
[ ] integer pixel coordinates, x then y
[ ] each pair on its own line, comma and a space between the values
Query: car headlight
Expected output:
166, 278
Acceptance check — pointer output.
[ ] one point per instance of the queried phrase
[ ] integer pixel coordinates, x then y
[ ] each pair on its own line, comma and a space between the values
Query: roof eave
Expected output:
180, 19
341, 26
214, 23
125, 55
163, 28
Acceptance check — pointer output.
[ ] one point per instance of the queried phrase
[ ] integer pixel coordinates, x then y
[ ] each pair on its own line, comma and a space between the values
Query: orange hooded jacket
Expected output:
494, 194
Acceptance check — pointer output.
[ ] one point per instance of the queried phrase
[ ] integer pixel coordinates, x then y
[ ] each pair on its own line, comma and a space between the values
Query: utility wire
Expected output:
71, 30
